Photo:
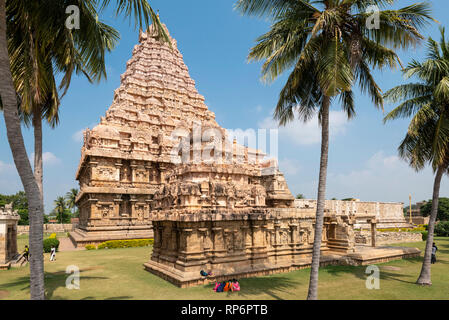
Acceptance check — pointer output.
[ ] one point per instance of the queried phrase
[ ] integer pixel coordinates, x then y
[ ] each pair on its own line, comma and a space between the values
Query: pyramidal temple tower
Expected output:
128, 157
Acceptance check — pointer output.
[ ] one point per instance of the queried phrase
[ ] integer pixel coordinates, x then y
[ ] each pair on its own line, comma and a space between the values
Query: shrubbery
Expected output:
420, 228
90, 247
50, 242
424, 235
112, 244
442, 229
443, 209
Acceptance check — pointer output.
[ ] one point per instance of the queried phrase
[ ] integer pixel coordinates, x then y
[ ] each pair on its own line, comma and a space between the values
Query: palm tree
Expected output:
427, 139
33, 65
69, 51
70, 199
60, 209
329, 49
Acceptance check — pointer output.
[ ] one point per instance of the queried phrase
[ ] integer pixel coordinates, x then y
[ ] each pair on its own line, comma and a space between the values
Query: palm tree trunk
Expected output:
38, 162
313, 283
17, 145
425, 276
38, 169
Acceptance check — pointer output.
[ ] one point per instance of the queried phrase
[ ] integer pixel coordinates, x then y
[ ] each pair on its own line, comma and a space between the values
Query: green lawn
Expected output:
119, 274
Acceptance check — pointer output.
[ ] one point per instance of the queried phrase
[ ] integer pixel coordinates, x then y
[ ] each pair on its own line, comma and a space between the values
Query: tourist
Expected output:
53, 254
26, 253
434, 253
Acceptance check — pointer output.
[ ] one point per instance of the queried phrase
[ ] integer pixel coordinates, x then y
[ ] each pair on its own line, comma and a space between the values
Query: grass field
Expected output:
119, 274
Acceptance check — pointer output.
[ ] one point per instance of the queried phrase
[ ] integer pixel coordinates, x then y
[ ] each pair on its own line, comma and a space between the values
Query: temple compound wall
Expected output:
158, 164
387, 214
8, 235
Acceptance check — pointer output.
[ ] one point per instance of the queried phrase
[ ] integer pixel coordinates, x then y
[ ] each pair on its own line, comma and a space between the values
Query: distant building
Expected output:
417, 217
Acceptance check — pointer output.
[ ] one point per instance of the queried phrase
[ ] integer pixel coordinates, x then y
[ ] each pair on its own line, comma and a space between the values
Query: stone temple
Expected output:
158, 164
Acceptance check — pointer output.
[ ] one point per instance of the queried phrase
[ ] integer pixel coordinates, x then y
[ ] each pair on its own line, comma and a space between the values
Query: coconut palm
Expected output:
60, 209
33, 65
68, 51
329, 48
427, 139
70, 198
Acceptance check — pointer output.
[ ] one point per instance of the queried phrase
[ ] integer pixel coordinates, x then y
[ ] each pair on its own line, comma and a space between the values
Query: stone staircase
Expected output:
19, 261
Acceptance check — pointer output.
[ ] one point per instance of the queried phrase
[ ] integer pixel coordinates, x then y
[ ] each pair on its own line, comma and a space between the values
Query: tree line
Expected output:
64, 207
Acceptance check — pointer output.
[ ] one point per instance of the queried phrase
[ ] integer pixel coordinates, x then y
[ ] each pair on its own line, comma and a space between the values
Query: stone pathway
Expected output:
65, 244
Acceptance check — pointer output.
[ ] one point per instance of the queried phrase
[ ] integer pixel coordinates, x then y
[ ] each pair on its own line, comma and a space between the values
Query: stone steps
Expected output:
19, 261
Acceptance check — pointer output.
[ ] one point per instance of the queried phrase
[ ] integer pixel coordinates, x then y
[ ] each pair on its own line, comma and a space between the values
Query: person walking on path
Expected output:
434, 253
53, 254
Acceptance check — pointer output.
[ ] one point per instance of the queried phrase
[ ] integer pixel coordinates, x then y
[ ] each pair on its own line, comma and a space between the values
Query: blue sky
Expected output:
215, 40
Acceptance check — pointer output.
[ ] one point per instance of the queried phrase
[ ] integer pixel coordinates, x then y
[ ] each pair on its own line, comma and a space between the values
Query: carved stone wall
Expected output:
388, 215
383, 238
243, 242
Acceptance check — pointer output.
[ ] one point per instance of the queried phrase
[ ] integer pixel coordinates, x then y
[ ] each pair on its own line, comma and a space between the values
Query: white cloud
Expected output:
384, 178
6, 167
308, 133
289, 166
78, 136
9, 179
48, 158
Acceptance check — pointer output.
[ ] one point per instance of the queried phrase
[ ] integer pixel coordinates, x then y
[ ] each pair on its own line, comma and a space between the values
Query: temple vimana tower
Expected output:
127, 170
159, 165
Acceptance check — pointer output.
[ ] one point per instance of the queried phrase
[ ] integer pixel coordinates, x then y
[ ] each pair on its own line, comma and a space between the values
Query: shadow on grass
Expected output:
257, 286
53, 281
359, 271
111, 298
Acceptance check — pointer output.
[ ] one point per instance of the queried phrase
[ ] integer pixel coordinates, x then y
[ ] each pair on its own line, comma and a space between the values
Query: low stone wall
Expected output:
383, 238
420, 220
56, 227
388, 214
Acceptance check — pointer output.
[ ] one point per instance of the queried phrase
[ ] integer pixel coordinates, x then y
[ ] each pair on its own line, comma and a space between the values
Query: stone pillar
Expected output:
218, 238
246, 234
190, 246
133, 167
294, 232
277, 239
373, 232
256, 236
3, 242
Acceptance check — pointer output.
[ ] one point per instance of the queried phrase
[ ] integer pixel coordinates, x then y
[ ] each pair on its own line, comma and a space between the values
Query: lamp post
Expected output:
410, 208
